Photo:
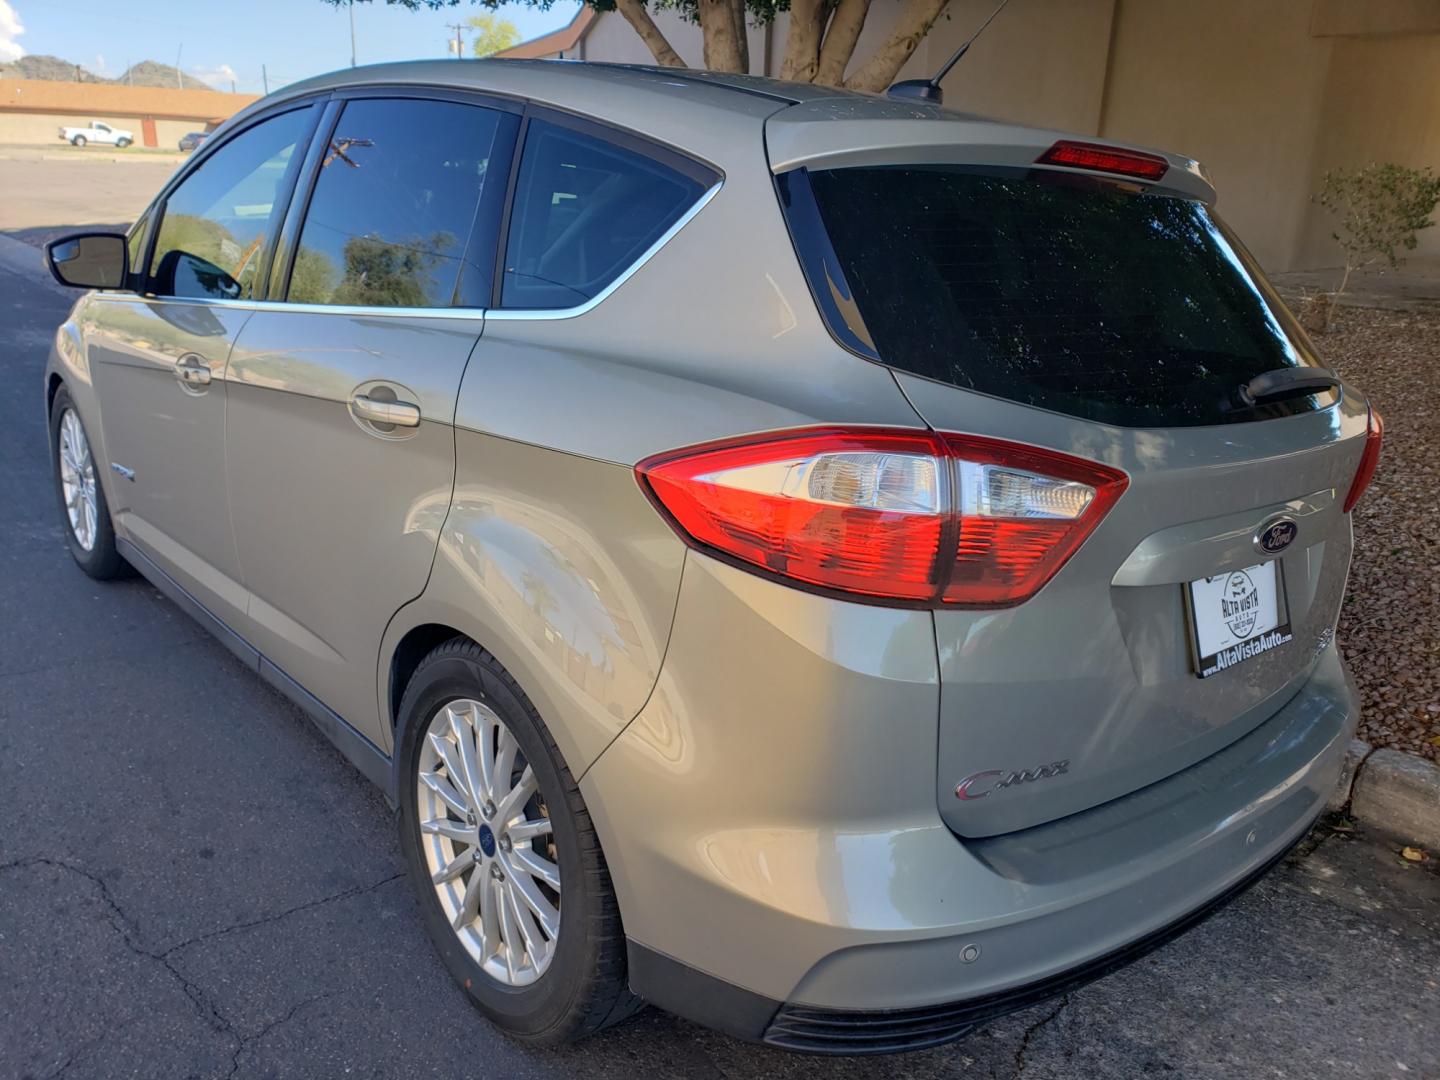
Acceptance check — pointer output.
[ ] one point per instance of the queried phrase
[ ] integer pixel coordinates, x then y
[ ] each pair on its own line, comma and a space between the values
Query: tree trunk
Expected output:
636, 15
722, 43
802, 43
742, 39
914, 22
840, 39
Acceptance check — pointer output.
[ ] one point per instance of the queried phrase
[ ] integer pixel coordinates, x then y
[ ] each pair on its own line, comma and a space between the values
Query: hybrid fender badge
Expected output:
978, 785
128, 474
1276, 535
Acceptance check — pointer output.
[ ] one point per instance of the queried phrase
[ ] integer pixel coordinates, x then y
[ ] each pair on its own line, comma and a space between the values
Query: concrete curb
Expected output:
1393, 792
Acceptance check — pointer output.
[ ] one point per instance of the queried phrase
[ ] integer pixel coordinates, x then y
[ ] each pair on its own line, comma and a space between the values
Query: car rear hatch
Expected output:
1092, 306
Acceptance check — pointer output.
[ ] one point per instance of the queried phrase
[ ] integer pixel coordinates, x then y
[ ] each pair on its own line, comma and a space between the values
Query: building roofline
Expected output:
113, 99
562, 40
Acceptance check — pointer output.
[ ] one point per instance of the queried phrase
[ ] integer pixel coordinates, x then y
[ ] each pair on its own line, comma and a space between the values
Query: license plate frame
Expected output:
1264, 626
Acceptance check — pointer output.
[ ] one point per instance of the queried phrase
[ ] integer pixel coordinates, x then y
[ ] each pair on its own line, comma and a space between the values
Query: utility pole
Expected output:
265, 78
178, 84
459, 42
352, 33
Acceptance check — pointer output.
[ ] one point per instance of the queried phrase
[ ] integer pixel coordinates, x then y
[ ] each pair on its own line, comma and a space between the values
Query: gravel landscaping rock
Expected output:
1390, 626
1399, 794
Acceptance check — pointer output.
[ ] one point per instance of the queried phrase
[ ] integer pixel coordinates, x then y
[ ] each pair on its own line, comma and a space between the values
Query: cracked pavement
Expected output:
193, 883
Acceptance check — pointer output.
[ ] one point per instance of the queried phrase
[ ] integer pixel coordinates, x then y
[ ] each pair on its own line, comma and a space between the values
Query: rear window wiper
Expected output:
1285, 381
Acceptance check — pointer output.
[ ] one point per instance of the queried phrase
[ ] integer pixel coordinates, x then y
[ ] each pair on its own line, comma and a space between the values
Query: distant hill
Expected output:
54, 69
154, 73
49, 68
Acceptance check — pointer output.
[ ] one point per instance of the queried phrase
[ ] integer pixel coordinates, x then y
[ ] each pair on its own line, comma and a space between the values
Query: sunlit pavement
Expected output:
193, 883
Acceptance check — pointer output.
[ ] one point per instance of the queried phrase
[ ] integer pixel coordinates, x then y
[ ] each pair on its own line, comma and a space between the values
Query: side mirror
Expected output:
89, 260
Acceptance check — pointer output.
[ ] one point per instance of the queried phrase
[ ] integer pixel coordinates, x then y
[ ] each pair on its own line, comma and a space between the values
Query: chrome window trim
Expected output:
480, 314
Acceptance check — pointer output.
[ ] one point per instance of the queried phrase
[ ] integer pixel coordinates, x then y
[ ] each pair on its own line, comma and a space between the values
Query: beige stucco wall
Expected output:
1040, 63
1381, 103
42, 129
1240, 89
17, 127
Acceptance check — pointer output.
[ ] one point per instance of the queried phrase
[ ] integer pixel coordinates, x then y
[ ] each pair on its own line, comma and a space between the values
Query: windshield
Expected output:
1068, 293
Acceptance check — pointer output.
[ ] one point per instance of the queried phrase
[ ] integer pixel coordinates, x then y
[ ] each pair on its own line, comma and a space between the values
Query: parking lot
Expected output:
193, 883
63, 185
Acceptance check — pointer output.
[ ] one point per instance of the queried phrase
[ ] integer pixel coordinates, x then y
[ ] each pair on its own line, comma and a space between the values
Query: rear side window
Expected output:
393, 207
585, 209
215, 223
1067, 293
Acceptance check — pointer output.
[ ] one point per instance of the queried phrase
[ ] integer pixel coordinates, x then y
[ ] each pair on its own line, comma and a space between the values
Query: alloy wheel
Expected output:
77, 479
488, 842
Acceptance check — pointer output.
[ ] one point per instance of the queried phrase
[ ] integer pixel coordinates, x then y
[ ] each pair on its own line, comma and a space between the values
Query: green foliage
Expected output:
1382, 208
492, 34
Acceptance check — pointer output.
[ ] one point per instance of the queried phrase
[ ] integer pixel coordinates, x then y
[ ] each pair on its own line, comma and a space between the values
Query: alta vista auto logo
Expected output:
1240, 604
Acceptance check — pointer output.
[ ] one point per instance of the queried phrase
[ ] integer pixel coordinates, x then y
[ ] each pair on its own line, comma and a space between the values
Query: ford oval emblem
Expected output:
1275, 536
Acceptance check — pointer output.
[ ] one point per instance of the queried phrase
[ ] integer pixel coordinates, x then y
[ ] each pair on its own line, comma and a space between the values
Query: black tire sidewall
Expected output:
103, 560
548, 1004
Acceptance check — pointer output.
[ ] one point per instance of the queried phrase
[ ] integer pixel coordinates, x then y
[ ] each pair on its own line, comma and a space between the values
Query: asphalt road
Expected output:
193, 883
59, 184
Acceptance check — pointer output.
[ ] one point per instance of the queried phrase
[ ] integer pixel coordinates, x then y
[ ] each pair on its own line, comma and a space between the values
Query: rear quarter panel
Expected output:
559, 566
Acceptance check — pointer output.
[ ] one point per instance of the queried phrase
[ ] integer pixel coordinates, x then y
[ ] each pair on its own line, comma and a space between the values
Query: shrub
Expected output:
1382, 209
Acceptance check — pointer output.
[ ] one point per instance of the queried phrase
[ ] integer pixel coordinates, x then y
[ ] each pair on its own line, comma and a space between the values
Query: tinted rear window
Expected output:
1070, 294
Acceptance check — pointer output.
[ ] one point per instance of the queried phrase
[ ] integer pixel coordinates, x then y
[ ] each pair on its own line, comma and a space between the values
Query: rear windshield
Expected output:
1068, 293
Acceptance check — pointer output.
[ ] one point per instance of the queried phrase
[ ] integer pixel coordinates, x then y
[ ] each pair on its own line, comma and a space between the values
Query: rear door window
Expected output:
1072, 294
391, 218
585, 210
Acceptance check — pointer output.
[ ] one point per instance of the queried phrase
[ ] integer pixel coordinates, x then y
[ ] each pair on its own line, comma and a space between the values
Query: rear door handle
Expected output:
399, 413
192, 371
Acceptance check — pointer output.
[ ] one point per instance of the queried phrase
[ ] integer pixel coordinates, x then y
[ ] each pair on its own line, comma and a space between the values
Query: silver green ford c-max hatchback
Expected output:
836, 568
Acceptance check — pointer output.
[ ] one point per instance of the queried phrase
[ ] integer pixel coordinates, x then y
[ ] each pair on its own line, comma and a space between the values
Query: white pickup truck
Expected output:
98, 133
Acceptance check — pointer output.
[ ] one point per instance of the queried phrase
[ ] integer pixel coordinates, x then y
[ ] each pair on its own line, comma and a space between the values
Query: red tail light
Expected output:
1110, 159
1374, 437
907, 516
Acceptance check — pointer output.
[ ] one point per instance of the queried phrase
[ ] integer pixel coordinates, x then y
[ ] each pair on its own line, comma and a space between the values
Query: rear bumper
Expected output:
798, 887
812, 1030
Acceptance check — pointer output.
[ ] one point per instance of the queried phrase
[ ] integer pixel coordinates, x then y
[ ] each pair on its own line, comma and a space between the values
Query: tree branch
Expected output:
840, 39
915, 20
802, 43
660, 48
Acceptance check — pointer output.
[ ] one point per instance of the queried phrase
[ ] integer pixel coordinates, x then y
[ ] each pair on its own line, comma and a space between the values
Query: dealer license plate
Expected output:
1236, 616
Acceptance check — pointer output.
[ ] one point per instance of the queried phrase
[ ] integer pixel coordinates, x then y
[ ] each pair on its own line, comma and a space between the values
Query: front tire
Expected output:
504, 858
122, 143
84, 511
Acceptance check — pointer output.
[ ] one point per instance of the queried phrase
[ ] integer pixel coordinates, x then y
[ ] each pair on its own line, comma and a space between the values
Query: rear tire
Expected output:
78, 140
84, 511
580, 983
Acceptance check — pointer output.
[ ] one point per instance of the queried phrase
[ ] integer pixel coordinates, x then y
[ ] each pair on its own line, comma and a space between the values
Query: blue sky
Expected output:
221, 39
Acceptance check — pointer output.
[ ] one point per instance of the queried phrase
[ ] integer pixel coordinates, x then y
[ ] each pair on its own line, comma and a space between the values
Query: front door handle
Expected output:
398, 413
193, 372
